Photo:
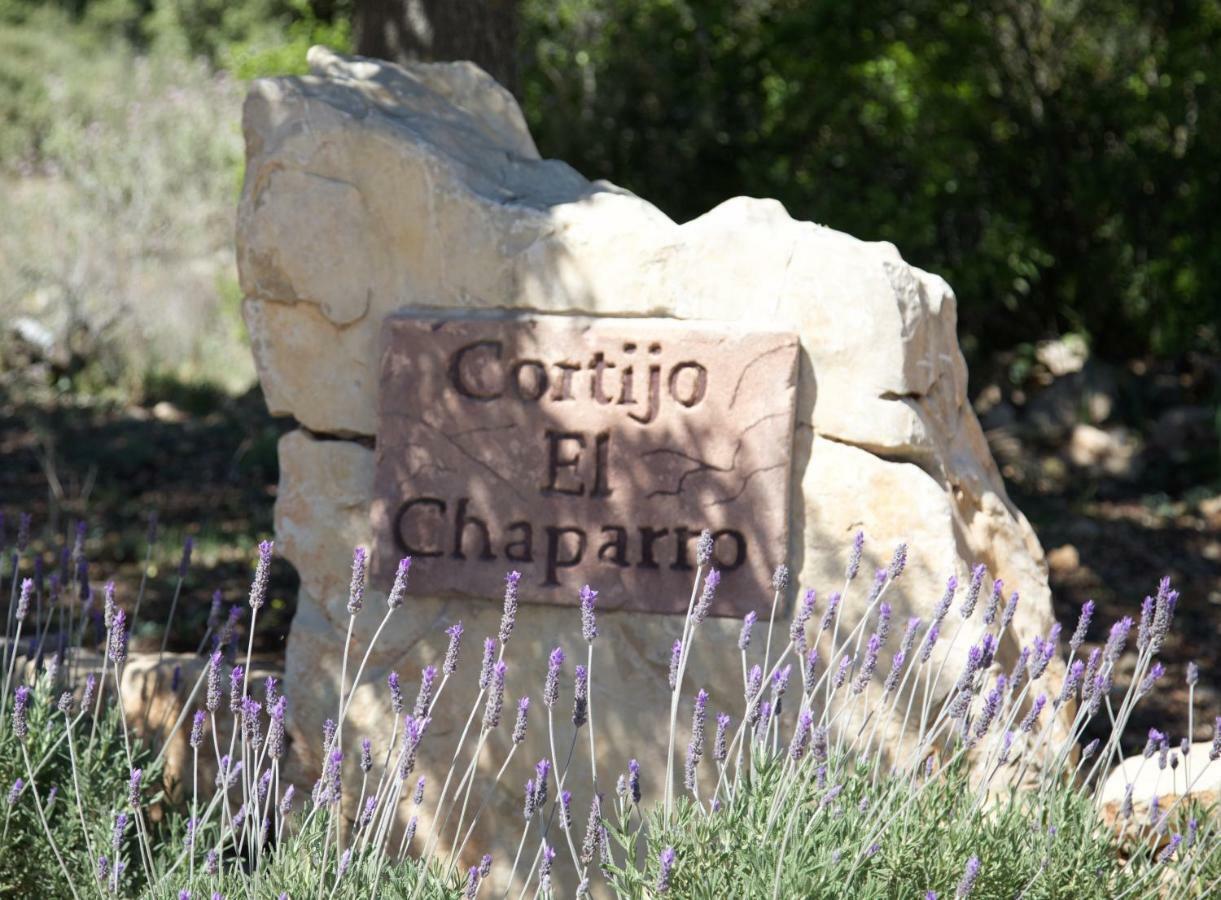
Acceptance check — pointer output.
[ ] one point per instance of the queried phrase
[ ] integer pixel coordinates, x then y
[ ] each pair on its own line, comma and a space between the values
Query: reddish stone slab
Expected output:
584, 451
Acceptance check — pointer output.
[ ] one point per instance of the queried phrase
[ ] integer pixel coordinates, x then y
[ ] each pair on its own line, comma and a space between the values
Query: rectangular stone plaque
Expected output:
582, 451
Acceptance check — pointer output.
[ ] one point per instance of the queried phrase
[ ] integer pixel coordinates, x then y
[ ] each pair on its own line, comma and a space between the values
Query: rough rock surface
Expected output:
373, 189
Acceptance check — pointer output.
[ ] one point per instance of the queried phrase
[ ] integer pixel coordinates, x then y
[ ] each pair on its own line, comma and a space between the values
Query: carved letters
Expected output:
580, 450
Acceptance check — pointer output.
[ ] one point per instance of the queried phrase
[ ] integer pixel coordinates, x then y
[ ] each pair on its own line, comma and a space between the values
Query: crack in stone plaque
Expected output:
583, 451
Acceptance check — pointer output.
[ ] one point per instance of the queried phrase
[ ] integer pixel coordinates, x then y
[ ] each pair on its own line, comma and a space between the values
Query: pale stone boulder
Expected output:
373, 189
1194, 778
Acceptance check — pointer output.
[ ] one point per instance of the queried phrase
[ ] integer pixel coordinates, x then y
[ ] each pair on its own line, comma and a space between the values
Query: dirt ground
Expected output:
1116, 506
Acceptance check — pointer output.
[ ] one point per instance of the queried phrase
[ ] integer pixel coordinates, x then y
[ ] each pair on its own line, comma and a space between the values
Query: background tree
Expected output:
483, 31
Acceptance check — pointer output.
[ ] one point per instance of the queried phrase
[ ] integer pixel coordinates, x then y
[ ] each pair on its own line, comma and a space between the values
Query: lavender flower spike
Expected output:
666, 865
676, 655
496, 695
854, 556
399, 589
970, 873
711, 581
580, 699
489, 656
551, 685
23, 600
704, 548
356, 591
450, 664
116, 647
262, 573
396, 693
508, 618
21, 712
748, 623
973, 589
519, 725
589, 626
898, 562
1083, 625
994, 601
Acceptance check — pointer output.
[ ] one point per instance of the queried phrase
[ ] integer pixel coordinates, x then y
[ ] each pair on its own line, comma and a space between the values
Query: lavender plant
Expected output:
800, 790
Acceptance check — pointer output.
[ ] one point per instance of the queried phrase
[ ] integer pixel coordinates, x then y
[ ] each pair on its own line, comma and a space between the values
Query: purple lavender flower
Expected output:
1156, 671
366, 755
116, 834
828, 617
566, 810
754, 684
780, 578
508, 617
1083, 625
748, 623
1009, 612
780, 684
760, 718
797, 630
580, 699
946, 601
356, 591
854, 556
344, 861
485, 865
472, 883
665, 867
1126, 808
870, 663
973, 589
15, 791
409, 833
801, 735
398, 590
91, 684
704, 548
1169, 850
991, 705
970, 873
593, 827
236, 680
21, 712
676, 655
633, 780
423, 700
544, 869
892, 677
519, 725
489, 656
1193, 674
811, 667
496, 696
116, 647
396, 693
711, 581
418, 797
197, 728
366, 816
1115, 642
719, 749
1033, 715
845, 664
65, 703
819, 744
930, 641
542, 769
897, 562
589, 626
879, 583
262, 574
23, 599
551, 685
450, 663
1075, 673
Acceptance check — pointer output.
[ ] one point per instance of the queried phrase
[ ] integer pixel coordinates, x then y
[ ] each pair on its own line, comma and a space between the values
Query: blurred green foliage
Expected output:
1055, 161
1052, 160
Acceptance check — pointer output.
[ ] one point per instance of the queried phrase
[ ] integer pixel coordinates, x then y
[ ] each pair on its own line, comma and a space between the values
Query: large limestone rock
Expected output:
373, 189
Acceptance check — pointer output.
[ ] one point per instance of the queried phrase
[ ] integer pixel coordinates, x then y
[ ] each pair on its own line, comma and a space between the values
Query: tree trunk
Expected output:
483, 31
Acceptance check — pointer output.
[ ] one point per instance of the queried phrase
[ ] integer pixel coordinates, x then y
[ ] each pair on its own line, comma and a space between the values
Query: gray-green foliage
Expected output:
1049, 847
